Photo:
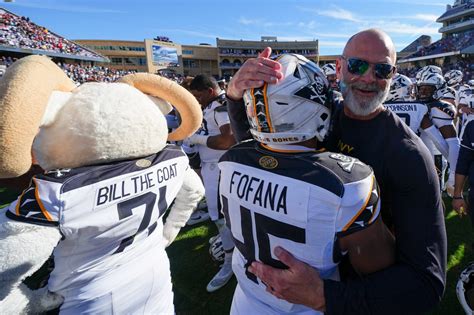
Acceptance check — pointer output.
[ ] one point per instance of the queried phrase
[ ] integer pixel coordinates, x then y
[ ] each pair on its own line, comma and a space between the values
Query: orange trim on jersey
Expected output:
17, 208
267, 113
378, 199
43, 209
266, 146
361, 209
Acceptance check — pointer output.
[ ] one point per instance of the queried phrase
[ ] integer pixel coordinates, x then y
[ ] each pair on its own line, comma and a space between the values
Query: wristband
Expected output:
458, 198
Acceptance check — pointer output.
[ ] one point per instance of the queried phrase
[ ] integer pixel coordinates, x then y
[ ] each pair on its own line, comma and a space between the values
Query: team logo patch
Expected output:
143, 163
345, 162
268, 162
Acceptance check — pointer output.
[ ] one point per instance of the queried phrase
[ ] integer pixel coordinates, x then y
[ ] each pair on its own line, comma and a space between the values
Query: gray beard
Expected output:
364, 106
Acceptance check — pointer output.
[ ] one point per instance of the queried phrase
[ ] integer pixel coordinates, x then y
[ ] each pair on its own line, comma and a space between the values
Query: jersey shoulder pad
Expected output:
360, 206
221, 101
30, 206
443, 107
347, 168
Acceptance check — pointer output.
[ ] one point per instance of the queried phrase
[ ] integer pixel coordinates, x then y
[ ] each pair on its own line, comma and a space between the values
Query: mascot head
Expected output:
46, 119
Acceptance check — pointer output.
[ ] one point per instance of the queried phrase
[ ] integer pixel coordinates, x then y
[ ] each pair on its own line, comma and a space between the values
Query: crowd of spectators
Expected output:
20, 32
80, 74
172, 76
90, 73
447, 44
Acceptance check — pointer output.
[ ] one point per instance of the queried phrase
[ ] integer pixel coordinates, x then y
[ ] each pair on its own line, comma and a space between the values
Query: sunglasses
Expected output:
359, 67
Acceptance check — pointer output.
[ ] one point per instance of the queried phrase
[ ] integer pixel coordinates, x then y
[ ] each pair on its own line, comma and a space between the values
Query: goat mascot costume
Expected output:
97, 209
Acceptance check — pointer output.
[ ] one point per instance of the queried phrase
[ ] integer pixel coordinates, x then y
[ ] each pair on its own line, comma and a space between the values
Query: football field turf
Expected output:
192, 267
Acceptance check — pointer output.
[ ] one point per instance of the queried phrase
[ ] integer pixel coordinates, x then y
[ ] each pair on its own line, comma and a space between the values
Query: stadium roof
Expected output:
468, 50
451, 53
29, 51
456, 11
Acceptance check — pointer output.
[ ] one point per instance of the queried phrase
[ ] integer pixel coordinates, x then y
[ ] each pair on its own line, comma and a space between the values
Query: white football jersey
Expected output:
302, 202
441, 113
111, 256
411, 113
214, 116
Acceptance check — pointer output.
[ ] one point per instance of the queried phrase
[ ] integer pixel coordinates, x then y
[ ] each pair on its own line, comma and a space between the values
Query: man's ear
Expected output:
338, 68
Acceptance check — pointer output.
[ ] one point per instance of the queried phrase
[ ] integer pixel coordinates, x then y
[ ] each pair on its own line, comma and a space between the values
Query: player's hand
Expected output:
459, 205
299, 284
198, 139
253, 73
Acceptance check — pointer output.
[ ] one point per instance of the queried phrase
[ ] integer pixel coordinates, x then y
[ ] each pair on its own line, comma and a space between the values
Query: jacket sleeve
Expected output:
238, 120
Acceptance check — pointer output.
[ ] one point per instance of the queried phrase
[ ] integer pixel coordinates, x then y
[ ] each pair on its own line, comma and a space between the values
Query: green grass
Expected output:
192, 267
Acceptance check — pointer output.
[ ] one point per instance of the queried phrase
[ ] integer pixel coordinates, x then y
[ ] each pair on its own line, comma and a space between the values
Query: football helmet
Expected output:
428, 69
216, 250
329, 69
400, 88
465, 289
430, 86
467, 97
470, 83
447, 92
295, 109
453, 77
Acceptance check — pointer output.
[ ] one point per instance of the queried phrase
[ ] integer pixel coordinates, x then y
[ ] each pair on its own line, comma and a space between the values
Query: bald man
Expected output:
411, 202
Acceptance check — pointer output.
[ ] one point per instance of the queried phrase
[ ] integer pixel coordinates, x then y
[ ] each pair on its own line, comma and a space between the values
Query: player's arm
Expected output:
361, 232
435, 135
465, 160
223, 141
370, 249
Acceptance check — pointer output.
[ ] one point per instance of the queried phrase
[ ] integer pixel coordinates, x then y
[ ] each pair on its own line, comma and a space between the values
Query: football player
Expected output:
278, 190
329, 70
441, 117
454, 79
212, 140
399, 101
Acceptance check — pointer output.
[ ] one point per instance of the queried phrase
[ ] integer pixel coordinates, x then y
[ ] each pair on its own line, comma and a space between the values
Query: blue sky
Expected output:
201, 21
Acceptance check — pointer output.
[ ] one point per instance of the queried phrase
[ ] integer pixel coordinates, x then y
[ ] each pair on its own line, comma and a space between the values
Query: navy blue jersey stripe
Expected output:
83, 176
33, 220
314, 168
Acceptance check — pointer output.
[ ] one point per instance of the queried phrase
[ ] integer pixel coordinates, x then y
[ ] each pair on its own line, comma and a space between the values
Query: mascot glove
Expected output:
198, 139
186, 201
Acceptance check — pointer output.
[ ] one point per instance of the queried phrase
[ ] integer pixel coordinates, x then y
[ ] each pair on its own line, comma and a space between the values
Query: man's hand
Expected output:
253, 73
299, 284
459, 205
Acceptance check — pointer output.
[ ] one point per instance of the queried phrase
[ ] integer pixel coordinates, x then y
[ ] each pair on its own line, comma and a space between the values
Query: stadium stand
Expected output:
20, 35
